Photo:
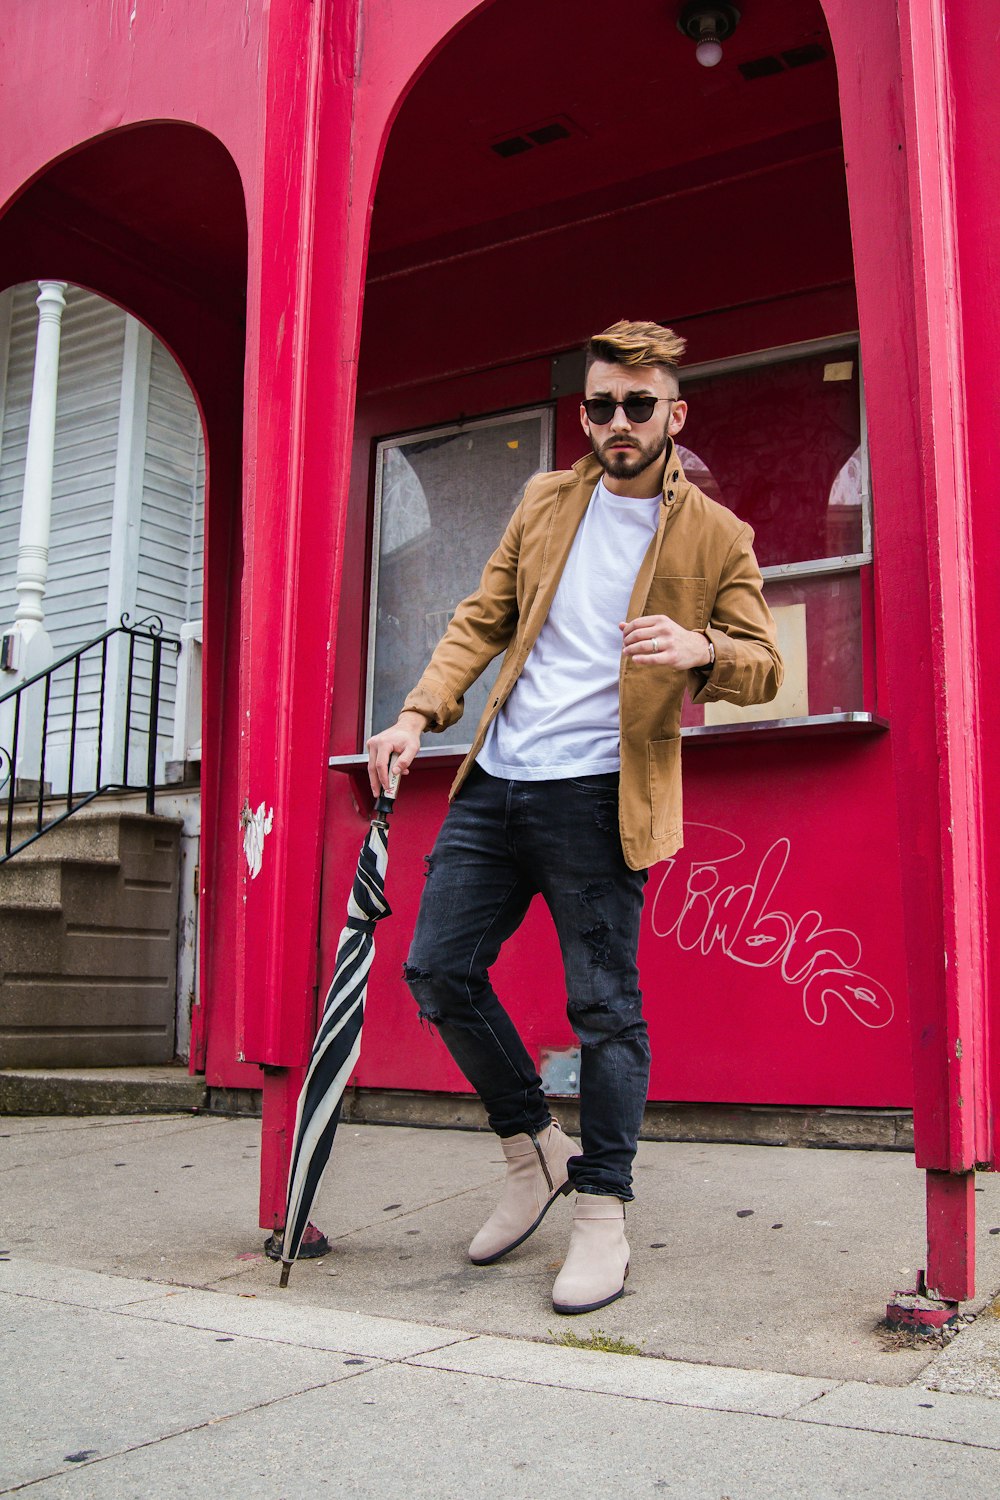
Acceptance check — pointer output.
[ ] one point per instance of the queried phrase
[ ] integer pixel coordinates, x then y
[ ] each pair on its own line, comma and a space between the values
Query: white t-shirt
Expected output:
561, 718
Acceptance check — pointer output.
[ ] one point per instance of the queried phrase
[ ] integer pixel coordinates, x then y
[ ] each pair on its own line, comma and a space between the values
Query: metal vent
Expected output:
512, 146
539, 135
801, 57
795, 57
761, 67
546, 134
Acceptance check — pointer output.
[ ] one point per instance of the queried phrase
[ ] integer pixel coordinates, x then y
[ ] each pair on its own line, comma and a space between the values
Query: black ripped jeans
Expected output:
503, 842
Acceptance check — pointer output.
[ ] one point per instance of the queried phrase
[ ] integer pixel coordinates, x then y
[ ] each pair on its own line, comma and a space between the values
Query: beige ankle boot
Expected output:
536, 1175
596, 1263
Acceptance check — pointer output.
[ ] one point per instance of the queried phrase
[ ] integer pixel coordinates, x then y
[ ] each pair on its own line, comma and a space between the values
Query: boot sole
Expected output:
569, 1312
490, 1260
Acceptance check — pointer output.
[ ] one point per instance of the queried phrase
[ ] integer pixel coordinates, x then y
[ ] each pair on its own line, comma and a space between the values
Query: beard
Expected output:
639, 458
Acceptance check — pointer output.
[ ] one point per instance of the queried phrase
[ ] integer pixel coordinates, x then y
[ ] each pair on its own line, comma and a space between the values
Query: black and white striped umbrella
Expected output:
338, 1041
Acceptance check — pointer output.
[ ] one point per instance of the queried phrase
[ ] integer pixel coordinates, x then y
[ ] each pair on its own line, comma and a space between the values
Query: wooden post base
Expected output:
951, 1235
279, 1103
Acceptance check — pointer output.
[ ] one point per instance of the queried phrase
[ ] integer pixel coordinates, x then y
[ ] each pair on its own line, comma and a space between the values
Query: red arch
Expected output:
153, 218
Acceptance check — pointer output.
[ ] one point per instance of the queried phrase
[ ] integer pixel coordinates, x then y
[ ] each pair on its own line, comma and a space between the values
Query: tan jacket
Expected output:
700, 570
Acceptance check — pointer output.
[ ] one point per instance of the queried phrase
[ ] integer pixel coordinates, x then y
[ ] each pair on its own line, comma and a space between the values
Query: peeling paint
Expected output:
958, 1048
256, 826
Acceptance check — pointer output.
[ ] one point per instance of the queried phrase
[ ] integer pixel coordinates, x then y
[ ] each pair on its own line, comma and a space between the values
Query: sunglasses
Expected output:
601, 409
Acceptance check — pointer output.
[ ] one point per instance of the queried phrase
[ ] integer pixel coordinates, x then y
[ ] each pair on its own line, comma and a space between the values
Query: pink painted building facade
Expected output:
374, 237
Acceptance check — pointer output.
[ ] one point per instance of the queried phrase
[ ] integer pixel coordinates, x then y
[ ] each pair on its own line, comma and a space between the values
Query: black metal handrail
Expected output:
148, 630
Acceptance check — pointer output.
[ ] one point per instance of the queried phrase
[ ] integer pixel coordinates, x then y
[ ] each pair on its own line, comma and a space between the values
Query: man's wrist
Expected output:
709, 665
412, 718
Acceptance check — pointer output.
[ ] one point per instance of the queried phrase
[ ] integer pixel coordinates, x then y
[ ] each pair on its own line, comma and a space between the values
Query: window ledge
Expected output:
449, 757
854, 722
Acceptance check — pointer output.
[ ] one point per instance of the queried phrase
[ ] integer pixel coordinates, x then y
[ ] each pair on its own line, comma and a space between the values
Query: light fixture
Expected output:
709, 25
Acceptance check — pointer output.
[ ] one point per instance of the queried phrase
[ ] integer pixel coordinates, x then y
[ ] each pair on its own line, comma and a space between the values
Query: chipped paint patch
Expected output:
256, 826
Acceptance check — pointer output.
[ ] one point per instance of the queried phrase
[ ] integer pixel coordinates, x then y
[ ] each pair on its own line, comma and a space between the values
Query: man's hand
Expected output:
660, 640
403, 739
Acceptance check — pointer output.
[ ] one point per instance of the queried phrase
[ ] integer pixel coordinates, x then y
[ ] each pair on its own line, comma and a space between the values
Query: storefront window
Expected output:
819, 624
779, 438
442, 499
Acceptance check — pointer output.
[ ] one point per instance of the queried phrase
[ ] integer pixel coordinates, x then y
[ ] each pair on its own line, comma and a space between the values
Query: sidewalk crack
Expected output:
819, 1396
166, 1437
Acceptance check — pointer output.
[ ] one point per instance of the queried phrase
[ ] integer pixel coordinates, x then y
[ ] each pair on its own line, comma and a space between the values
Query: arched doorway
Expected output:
118, 505
152, 218
536, 185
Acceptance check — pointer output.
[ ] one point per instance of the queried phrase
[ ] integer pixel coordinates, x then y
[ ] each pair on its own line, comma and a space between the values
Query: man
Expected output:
616, 586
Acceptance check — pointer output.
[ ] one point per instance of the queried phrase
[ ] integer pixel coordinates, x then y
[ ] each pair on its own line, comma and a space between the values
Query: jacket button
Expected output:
676, 475
670, 494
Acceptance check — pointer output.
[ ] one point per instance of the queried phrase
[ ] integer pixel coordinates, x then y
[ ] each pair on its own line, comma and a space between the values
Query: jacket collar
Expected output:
588, 471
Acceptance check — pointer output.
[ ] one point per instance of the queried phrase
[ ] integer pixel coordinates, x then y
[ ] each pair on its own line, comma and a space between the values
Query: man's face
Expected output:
626, 448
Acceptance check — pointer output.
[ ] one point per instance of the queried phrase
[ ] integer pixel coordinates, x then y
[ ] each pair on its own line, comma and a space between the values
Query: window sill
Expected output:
807, 727
449, 757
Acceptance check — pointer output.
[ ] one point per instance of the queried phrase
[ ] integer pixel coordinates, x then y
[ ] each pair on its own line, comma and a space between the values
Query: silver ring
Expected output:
655, 643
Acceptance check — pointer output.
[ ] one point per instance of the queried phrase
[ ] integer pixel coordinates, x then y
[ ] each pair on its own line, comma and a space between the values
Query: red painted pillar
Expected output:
900, 102
951, 1103
280, 1100
331, 100
951, 1235
303, 318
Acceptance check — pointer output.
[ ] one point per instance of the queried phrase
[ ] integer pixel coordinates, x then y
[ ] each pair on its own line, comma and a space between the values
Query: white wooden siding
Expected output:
88, 393
170, 485
167, 577
197, 566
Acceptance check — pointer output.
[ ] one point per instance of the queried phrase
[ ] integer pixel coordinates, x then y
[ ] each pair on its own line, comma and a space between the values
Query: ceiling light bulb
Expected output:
708, 23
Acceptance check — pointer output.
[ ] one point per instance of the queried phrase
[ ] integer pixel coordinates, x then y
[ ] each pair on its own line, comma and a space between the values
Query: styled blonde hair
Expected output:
626, 343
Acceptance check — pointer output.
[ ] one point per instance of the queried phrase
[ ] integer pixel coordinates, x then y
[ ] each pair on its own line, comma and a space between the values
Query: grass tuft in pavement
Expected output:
604, 1343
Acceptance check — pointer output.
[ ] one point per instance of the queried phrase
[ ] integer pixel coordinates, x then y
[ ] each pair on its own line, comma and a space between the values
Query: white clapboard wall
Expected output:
167, 581
127, 510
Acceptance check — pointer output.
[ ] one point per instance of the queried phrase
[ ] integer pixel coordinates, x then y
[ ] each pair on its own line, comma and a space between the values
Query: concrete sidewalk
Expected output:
149, 1351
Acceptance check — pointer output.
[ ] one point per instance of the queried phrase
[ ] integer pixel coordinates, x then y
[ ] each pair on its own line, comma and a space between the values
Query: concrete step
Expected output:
36, 885
38, 888
94, 832
100, 1091
736, 1124
88, 944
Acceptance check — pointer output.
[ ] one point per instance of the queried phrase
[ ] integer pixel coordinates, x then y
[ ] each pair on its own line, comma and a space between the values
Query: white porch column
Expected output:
36, 504
26, 645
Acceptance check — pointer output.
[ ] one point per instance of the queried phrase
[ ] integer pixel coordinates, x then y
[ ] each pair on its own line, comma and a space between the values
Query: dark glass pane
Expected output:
819, 635
781, 446
445, 502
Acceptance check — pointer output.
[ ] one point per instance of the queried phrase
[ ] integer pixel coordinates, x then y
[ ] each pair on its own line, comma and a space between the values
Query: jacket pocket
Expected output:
666, 806
683, 599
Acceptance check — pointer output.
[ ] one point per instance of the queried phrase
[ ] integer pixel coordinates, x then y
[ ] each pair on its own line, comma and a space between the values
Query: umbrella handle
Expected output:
387, 799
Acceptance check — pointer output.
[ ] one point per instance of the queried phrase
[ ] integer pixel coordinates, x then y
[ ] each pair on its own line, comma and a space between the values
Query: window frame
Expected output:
857, 562
861, 563
782, 354
545, 410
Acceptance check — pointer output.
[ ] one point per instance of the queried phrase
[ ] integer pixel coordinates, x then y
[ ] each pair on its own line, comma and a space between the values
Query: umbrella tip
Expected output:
286, 1266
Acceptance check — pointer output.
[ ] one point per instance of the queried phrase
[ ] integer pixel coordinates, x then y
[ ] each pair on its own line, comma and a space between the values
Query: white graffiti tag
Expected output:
695, 906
